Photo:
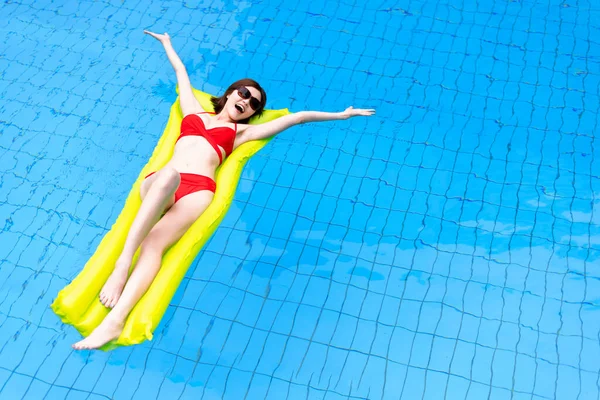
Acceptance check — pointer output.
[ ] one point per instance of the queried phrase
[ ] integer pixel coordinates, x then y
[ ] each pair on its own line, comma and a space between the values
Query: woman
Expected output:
185, 186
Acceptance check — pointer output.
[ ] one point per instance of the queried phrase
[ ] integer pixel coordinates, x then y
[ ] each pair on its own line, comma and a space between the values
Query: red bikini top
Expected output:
192, 125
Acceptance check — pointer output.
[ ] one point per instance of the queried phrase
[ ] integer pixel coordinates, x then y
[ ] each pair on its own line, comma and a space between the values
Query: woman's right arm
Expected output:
187, 100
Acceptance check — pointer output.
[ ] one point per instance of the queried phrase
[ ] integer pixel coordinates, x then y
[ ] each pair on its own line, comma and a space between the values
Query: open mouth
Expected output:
239, 108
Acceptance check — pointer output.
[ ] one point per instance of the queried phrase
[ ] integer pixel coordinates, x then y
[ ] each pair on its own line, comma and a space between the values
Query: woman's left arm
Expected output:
268, 129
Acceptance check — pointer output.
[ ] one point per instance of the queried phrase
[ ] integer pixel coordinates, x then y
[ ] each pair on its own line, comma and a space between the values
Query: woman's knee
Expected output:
153, 243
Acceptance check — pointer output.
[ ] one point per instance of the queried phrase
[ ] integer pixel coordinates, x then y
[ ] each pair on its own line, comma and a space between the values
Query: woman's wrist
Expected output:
316, 116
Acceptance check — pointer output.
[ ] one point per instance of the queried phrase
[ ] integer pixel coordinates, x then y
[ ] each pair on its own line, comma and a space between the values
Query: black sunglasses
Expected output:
245, 94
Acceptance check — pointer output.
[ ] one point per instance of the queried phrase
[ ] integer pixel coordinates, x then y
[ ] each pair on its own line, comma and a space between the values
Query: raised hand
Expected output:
353, 112
161, 38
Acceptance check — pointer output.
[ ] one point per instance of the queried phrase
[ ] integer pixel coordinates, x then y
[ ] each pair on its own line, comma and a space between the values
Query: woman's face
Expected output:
238, 107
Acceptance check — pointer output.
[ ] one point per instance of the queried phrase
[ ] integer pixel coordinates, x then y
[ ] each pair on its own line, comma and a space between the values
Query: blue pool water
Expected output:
447, 247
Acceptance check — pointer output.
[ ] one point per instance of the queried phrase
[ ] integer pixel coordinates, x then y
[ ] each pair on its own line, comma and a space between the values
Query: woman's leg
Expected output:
157, 194
166, 232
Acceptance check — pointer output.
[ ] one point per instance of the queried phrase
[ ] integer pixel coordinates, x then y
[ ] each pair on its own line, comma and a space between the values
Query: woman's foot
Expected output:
108, 330
112, 289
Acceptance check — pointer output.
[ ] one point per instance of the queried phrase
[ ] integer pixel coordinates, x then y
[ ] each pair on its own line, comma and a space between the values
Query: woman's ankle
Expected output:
116, 318
123, 263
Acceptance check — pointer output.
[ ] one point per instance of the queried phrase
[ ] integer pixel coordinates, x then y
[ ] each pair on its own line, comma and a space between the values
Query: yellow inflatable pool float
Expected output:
78, 304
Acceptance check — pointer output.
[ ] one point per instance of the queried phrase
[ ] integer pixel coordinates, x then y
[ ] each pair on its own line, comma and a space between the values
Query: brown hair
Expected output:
219, 102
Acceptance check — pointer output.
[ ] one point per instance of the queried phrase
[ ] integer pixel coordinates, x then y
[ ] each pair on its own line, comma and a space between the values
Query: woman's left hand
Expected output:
164, 38
353, 112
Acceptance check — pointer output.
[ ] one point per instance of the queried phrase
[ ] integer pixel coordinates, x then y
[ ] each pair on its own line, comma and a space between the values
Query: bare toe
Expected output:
105, 332
111, 291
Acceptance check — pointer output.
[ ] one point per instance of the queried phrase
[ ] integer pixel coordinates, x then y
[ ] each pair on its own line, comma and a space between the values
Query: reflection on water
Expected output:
449, 243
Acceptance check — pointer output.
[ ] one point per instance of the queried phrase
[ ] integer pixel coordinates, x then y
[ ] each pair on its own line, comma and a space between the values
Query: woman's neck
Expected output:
223, 116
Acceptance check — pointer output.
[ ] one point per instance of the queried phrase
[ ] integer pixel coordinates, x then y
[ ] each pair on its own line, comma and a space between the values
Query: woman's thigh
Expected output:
149, 181
146, 183
180, 217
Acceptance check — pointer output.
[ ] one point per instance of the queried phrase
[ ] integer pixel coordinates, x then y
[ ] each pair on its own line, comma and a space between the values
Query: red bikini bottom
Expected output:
192, 183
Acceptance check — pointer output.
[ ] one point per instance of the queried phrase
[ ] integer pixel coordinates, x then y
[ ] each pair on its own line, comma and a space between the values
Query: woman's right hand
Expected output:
164, 38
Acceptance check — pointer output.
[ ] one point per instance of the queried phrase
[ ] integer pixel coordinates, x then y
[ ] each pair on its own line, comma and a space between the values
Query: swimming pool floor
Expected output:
447, 247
